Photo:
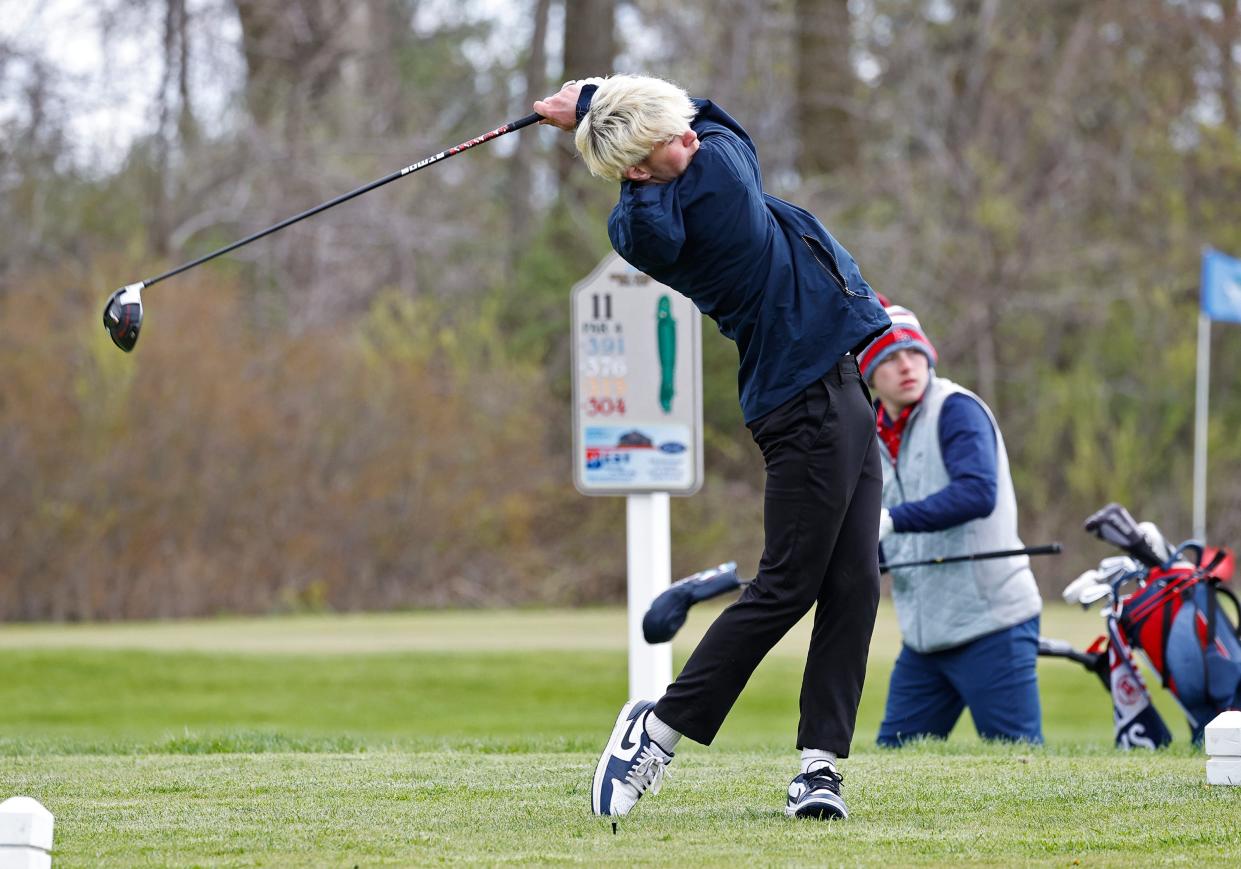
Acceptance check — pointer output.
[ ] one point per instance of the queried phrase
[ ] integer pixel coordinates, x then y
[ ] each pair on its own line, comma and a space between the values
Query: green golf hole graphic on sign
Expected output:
666, 338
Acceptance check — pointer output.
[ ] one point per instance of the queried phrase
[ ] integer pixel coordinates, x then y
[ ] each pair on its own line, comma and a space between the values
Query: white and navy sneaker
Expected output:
631, 765
816, 794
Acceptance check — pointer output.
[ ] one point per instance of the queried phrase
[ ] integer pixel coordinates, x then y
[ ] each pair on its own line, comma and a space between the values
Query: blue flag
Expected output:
1221, 286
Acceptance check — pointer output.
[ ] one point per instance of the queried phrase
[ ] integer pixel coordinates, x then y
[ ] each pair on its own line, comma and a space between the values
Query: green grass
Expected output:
926, 806
470, 737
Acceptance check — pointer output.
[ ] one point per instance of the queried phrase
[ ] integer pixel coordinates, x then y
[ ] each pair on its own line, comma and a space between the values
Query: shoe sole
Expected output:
618, 731
820, 810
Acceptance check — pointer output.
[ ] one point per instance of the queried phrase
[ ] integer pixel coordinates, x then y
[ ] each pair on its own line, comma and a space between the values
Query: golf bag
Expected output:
1177, 618
1179, 621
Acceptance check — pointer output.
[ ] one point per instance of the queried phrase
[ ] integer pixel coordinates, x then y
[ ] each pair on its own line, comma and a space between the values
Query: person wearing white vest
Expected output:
970, 630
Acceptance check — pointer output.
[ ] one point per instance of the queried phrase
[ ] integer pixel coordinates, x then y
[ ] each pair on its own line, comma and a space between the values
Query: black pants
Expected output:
821, 527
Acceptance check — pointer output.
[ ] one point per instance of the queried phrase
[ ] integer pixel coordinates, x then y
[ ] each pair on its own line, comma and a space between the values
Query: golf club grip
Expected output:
345, 197
1044, 549
1049, 648
532, 118
1054, 648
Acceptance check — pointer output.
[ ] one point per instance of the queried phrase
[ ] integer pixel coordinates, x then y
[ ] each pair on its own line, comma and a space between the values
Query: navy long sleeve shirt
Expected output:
968, 445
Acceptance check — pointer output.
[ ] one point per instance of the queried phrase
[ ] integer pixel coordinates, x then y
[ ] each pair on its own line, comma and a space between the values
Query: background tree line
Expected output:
370, 409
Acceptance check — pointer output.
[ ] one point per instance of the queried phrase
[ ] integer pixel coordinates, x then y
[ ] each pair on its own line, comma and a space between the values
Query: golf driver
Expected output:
122, 315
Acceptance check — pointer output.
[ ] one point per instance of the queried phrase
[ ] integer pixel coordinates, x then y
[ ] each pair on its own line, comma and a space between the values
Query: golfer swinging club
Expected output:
693, 215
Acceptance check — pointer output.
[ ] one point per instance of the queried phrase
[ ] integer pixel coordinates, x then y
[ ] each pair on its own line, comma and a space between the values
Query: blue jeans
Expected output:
994, 676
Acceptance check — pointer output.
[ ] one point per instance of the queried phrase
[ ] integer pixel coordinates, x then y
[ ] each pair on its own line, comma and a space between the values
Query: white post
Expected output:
25, 834
648, 533
1200, 426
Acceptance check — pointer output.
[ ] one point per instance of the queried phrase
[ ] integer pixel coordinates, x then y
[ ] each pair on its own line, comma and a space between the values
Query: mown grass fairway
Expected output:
470, 738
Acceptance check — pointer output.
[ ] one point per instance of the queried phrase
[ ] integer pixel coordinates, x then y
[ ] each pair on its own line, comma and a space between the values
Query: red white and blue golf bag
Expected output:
1179, 622
1178, 619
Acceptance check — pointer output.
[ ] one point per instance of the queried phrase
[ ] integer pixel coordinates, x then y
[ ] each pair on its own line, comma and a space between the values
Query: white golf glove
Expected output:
885, 524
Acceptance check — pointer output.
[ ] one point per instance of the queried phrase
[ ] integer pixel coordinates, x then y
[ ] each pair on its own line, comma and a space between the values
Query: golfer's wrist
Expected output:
584, 96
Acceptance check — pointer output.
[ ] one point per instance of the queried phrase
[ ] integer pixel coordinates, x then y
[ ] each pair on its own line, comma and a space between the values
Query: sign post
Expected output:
637, 428
648, 543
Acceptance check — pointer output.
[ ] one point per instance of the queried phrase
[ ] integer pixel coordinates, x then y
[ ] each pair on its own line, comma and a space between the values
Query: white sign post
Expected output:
637, 428
648, 540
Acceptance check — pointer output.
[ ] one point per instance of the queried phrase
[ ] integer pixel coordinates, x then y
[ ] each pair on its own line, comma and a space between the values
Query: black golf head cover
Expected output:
1114, 525
122, 316
668, 611
666, 614
712, 583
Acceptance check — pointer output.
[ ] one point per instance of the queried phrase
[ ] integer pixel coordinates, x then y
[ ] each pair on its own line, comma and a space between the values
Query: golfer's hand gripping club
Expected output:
560, 109
122, 314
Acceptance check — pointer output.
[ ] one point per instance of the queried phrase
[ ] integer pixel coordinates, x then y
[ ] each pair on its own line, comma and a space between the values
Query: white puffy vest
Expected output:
941, 606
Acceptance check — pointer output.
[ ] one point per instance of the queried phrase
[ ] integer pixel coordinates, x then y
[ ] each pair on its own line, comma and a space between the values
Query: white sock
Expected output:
813, 758
662, 733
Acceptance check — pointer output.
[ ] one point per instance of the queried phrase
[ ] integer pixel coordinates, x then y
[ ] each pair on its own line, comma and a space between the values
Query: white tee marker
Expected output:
1223, 748
25, 834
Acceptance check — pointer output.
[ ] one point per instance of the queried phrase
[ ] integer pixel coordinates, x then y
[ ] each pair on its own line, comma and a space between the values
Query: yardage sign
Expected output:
637, 385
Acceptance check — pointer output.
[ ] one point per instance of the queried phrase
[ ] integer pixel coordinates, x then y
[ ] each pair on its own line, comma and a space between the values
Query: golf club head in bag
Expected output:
1158, 543
668, 611
1114, 525
1073, 591
1087, 589
1094, 594
1114, 567
122, 316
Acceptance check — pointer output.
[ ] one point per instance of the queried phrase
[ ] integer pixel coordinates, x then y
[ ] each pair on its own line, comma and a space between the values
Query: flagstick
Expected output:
1200, 426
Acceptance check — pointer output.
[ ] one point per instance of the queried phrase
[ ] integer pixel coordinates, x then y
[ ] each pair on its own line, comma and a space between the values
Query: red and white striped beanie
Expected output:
906, 333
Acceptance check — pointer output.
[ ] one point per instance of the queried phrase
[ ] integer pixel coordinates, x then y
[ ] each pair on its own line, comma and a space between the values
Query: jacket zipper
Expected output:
832, 269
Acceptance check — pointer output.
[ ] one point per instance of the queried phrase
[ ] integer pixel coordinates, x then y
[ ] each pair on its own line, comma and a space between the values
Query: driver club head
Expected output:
122, 316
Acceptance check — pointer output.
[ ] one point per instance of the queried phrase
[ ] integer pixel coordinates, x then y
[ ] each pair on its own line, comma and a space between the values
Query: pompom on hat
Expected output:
906, 334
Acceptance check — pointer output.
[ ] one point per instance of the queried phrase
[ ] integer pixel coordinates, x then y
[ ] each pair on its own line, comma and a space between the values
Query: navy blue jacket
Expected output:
767, 272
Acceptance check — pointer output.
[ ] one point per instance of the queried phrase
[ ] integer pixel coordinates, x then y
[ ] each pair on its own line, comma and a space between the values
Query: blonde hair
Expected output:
628, 117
